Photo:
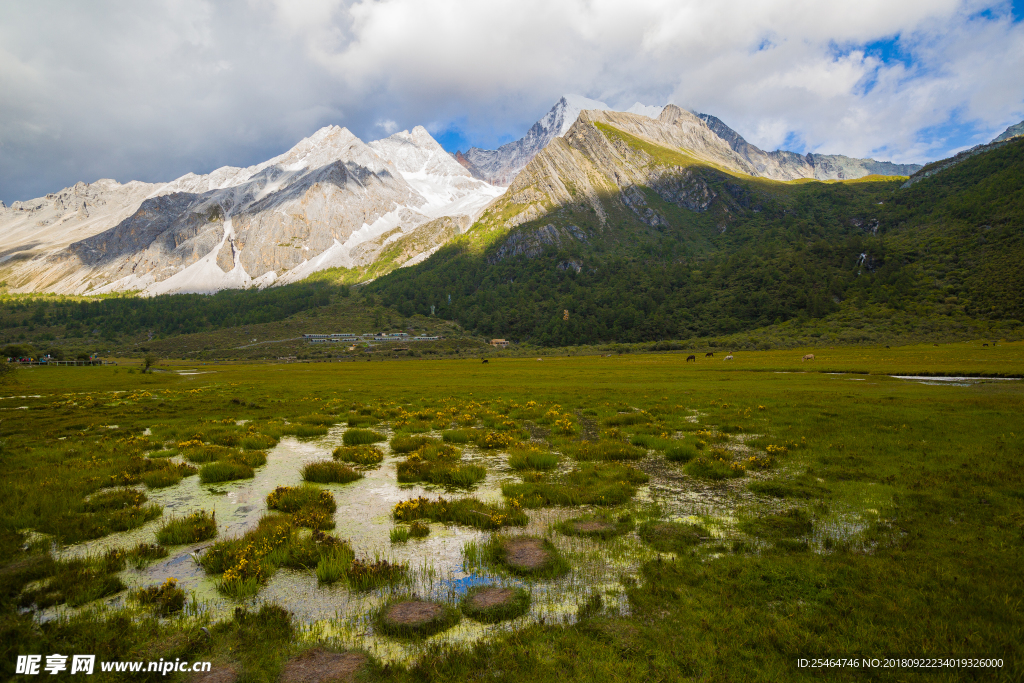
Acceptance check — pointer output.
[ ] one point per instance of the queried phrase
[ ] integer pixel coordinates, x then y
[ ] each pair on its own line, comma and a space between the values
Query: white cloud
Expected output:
151, 91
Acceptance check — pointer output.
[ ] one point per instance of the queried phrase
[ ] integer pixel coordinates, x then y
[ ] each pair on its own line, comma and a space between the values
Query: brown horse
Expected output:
693, 358
709, 354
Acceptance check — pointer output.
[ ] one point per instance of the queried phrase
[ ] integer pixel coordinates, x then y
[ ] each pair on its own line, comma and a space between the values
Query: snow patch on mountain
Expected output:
278, 221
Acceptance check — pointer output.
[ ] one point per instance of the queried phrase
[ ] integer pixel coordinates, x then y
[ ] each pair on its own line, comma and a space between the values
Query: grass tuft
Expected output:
465, 511
456, 436
517, 604
606, 449
447, 617
589, 484
672, 537
358, 437
531, 458
681, 452
165, 599
193, 528
367, 456
329, 472
597, 526
225, 471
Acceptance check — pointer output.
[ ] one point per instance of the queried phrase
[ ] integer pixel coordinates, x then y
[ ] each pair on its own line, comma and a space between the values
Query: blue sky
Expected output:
151, 91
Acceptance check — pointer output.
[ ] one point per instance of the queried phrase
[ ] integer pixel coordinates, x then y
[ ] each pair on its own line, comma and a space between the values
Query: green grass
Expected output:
366, 456
306, 551
317, 420
362, 420
651, 442
247, 562
672, 537
606, 449
306, 431
589, 484
599, 526
206, 453
329, 472
363, 575
447, 474
464, 511
788, 524
530, 458
681, 452
144, 554
333, 565
404, 443
494, 553
517, 605
709, 467
802, 487
225, 471
74, 582
456, 436
169, 476
164, 599
295, 498
624, 419
193, 528
358, 437
400, 534
449, 616
249, 458
930, 474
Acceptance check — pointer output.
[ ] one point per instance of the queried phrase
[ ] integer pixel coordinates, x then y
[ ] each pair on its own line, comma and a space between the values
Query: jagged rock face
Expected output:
38, 226
532, 243
500, 166
1014, 131
304, 210
782, 165
584, 165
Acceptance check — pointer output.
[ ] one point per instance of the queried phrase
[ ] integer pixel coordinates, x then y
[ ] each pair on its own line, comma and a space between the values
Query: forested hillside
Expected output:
635, 267
761, 252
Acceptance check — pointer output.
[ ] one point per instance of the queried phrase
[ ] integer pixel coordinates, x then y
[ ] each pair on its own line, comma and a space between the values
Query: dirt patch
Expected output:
491, 597
591, 527
412, 613
217, 674
321, 666
526, 553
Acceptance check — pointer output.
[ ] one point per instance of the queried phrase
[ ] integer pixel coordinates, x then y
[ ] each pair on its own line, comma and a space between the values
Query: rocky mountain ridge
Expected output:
501, 166
332, 200
783, 165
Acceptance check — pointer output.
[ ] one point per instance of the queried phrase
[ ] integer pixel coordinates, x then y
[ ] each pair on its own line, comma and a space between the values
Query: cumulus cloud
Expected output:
150, 91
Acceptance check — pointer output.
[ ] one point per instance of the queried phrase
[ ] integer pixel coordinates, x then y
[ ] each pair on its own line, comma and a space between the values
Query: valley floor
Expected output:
717, 520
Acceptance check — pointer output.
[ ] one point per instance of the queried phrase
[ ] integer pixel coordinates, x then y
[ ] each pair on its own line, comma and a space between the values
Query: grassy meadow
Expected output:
783, 509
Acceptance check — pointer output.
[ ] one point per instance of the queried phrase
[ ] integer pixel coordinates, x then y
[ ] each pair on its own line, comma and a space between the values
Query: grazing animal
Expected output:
729, 357
809, 356
886, 346
485, 360
984, 344
709, 354
693, 358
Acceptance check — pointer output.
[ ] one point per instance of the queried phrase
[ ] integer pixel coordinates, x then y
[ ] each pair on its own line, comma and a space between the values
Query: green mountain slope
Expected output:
616, 233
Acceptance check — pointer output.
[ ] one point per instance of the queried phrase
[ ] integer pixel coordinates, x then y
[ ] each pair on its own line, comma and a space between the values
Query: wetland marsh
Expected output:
585, 518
